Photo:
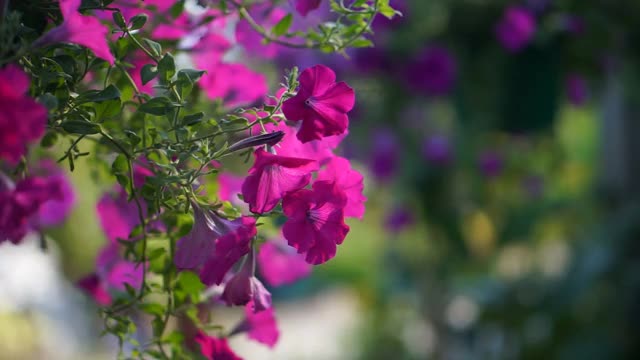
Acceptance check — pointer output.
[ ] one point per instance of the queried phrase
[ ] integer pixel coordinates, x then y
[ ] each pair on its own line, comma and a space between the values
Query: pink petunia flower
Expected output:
339, 170
79, 29
303, 7
20, 202
319, 150
315, 223
252, 41
259, 326
214, 244
229, 187
272, 176
321, 104
281, 265
213, 348
234, 83
54, 211
22, 119
244, 288
93, 286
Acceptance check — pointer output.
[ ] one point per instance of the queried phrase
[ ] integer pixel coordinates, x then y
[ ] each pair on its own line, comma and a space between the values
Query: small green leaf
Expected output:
119, 19
137, 21
156, 49
192, 119
148, 73
166, 67
156, 106
48, 100
107, 109
282, 26
361, 43
80, 127
49, 139
133, 137
120, 165
111, 92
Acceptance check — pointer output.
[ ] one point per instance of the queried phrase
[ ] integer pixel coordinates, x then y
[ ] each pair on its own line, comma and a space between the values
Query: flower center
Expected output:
310, 102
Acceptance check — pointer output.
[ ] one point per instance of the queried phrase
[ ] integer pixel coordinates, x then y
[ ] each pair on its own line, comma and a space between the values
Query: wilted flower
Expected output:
79, 29
315, 221
516, 28
214, 244
272, 176
22, 119
321, 104
244, 288
281, 265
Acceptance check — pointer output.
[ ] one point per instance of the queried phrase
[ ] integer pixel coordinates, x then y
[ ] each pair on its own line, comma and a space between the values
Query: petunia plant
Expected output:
154, 99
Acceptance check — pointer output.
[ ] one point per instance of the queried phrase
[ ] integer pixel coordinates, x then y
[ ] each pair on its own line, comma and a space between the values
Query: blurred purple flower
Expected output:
490, 164
433, 72
516, 28
577, 90
533, 185
398, 219
437, 149
55, 211
574, 24
384, 155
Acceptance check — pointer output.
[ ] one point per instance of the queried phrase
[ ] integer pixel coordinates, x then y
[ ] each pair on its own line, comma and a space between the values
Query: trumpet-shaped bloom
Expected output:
516, 29
321, 104
260, 326
213, 348
244, 288
350, 181
272, 176
81, 30
281, 265
20, 202
315, 224
319, 150
303, 7
22, 119
214, 245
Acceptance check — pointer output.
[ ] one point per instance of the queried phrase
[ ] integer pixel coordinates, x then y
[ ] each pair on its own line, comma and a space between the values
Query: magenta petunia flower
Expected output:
22, 119
339, 170
20, 202
54, 211
576, 89
281, 265
260, 326
235, 84
433, 72
315, 223
214, 244
213, 348
93, 286
229, 187
79, 29
267, 16
244, 288
303, 7
319, 150
321, 104
272, 176
516, 28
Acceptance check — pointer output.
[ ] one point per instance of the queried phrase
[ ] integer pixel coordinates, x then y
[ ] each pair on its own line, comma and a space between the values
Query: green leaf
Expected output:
111, 92
361, 43
190, 284
137, 21
156, 106
156, 49
49, 139
133, 137
120, 165
119, 19
107, 109
80, 127
153, 309
186, 79
385, 9
148, 73
166, 67
48, 100
177, 9
192, 119
282, 26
